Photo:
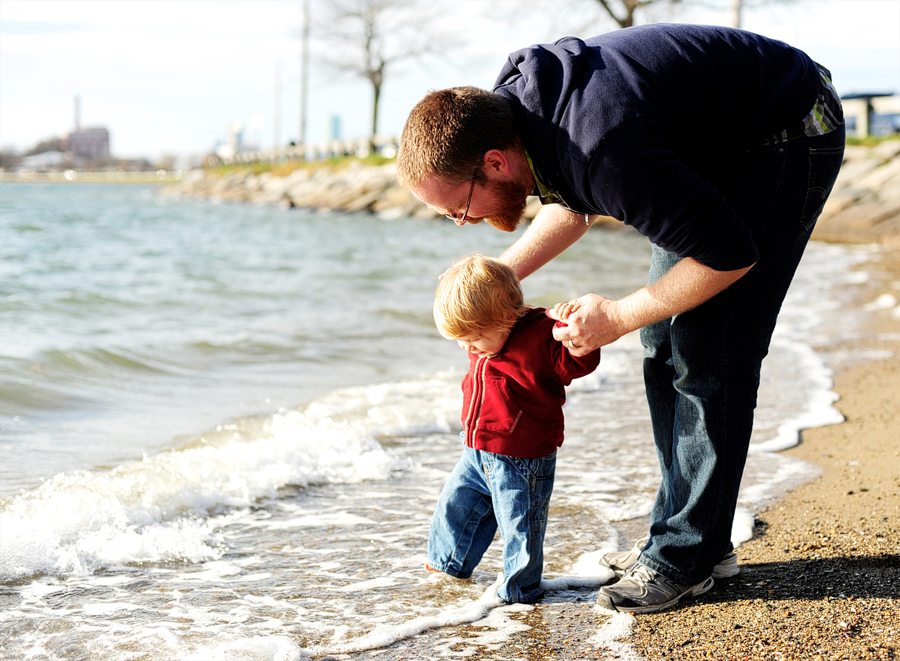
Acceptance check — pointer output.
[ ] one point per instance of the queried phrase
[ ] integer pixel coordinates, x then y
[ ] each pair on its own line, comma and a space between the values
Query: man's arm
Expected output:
599, 321
552, 231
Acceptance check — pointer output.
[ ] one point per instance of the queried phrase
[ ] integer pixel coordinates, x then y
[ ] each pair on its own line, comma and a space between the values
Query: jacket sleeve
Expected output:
567, 366
637, 178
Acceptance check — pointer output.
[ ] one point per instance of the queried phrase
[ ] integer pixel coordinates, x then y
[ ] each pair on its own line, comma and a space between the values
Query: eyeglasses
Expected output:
468, 202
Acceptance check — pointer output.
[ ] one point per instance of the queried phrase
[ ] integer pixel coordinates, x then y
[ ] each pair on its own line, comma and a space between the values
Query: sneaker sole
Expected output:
605, 602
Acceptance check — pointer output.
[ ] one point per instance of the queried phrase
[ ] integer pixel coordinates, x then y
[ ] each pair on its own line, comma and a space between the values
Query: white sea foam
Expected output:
617, 627
811, 378
884, 302
168, 507
586, 571
742, 527
394, 409
259, 648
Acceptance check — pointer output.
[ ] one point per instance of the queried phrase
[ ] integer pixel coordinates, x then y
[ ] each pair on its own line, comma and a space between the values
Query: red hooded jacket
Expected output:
512, 403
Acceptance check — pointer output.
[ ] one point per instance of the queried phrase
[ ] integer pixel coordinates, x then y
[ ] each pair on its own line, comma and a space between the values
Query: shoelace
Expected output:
642, 575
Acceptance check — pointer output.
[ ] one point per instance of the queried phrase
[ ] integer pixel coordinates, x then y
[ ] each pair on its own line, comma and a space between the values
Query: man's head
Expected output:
477, 303
463, 140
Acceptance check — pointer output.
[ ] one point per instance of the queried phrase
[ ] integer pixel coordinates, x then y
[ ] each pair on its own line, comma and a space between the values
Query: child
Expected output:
512, 425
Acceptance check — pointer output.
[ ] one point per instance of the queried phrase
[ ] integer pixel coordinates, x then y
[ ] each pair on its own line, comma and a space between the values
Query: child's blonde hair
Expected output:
477, 293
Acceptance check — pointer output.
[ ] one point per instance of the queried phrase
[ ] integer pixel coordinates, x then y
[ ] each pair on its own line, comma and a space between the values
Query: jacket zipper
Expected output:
478, 389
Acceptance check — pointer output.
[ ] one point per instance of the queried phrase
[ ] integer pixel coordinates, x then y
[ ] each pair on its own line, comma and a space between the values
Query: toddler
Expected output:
512, 425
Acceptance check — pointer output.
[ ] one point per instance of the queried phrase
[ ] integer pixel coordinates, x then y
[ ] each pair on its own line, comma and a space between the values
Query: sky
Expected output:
168, 77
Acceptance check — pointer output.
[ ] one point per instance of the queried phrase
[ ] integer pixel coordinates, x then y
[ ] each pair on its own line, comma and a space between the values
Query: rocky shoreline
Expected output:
864, 207
351, 187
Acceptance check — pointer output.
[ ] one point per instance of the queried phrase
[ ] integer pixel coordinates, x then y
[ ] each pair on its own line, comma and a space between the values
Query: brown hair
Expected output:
448, 133
477, 293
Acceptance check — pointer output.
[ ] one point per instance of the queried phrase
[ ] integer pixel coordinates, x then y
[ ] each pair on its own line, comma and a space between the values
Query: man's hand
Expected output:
588, 324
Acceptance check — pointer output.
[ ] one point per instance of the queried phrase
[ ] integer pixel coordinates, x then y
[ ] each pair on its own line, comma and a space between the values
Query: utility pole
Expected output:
736, 13
276, 139
304, 70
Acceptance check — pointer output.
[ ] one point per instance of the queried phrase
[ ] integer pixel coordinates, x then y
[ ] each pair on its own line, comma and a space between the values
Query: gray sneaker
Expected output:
642, 590
621, 561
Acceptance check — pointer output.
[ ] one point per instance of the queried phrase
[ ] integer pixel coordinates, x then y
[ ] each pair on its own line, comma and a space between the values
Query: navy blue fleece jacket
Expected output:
637, 124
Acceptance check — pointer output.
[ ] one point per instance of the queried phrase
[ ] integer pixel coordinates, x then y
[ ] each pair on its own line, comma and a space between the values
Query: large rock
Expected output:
865, 204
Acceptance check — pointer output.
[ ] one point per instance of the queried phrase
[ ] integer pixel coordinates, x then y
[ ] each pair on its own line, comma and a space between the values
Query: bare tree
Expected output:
367, 38
622, 11
584, 16
739, 6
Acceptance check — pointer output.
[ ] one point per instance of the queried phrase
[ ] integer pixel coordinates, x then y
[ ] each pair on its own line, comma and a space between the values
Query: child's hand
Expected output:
561, 311
587, 324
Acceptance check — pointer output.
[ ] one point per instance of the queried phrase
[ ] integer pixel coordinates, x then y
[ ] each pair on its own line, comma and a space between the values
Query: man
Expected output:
721, 147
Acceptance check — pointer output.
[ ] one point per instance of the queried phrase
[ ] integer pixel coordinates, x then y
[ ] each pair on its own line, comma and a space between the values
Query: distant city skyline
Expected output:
170, 78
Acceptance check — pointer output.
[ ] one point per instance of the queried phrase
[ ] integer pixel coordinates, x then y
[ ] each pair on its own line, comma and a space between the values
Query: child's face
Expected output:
487, 343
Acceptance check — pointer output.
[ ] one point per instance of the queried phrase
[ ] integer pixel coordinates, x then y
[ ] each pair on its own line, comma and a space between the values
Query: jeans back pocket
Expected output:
824, 165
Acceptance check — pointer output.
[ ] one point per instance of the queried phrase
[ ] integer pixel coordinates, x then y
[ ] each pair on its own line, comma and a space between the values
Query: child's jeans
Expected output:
486, 491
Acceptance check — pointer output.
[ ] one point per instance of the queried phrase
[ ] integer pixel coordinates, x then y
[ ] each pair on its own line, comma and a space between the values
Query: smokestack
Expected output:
77, 114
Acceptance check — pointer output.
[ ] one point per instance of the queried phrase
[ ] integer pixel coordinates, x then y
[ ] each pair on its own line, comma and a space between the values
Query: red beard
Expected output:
511, 198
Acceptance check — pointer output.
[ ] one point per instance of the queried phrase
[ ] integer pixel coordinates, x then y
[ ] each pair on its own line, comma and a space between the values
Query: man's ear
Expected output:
497, 164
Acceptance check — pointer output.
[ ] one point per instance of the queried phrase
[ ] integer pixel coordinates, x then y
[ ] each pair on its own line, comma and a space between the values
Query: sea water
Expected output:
224, 427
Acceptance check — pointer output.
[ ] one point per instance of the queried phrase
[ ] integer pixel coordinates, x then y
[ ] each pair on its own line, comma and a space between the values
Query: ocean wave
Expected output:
19, 391
167, 508
100, 361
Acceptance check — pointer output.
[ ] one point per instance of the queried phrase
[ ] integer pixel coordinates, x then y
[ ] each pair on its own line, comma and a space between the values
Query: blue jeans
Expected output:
701, 367
486, 491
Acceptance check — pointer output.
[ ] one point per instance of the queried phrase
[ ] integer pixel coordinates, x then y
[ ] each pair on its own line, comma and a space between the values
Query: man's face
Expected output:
499, 202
